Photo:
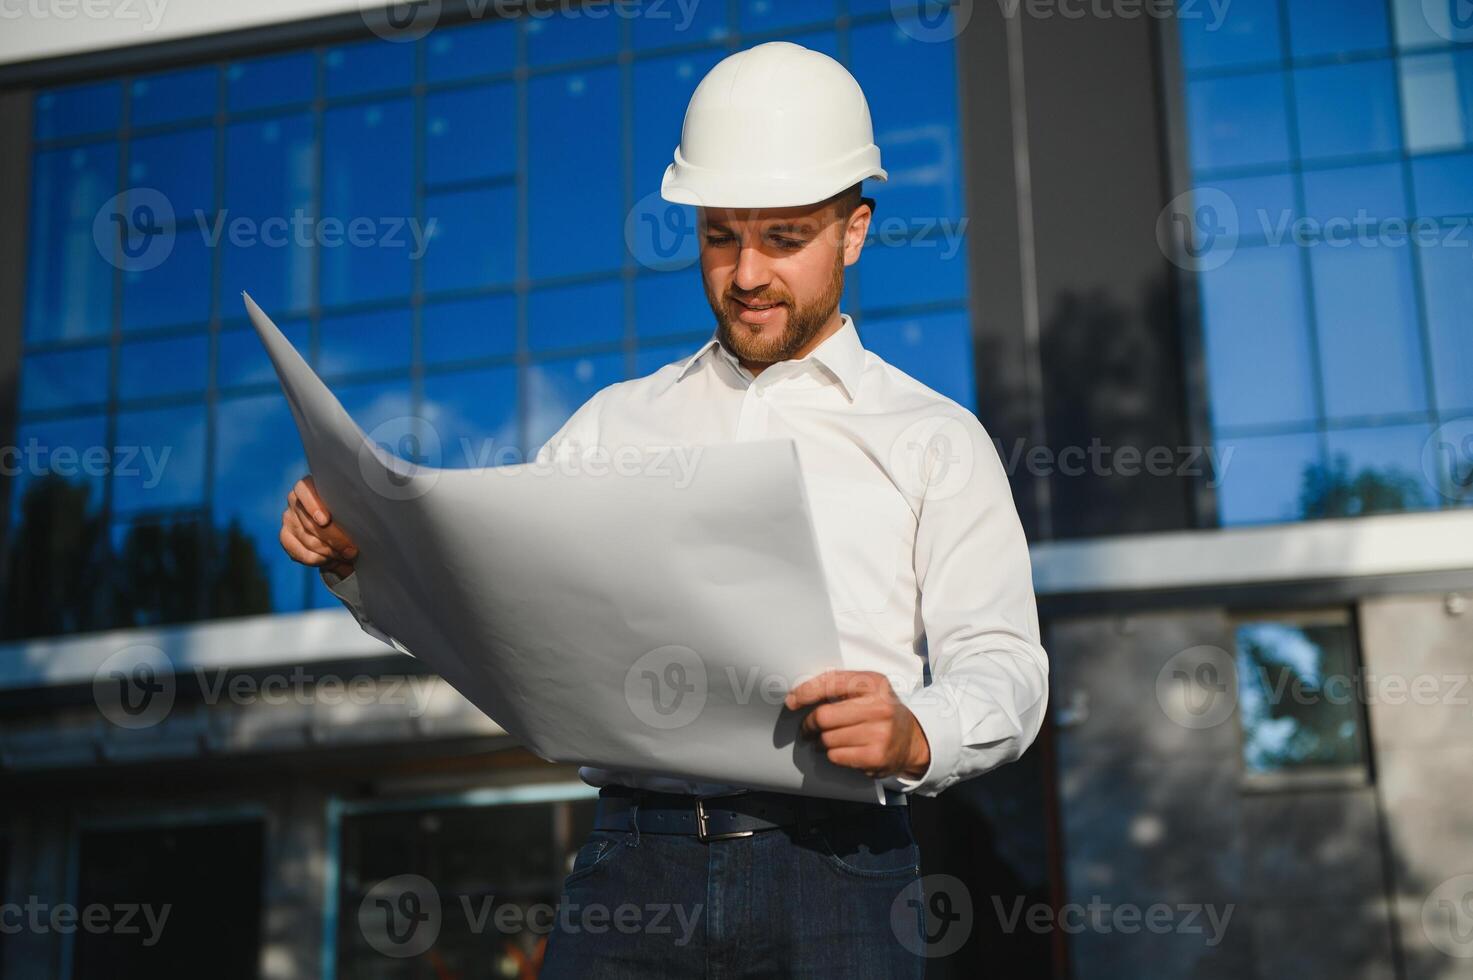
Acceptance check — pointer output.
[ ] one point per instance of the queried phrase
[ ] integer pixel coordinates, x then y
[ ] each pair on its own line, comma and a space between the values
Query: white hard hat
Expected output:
774, 126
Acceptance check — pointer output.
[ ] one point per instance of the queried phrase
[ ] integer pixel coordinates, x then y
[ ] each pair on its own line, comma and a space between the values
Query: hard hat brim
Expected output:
685, 183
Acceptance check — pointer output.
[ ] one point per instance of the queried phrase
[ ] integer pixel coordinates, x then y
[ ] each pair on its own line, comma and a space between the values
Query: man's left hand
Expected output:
862, 724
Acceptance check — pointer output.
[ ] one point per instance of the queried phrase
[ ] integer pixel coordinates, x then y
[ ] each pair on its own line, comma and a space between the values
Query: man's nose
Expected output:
752, 273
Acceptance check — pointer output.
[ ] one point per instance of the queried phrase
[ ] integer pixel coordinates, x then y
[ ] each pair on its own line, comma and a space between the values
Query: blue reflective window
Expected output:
173, 96
1355, 196
575, 316
1257, 340
670, 303
1238, 121
69, 288
367, 66
1437, 101
69, 452
355, 343
1373, 471
275, 80
457, 330
1421, 23
662, 86
1265, 206
555, 389
266, 226
671, 23
153, 368
258, 457
1371, 361
1346, 27
160, 461
1245, 32
473, 238
470, 133
474, 415
1309, 662
921, 145
759, 16
935, 349
1335, 324
577, 209
64, 379
1447, 287
1262, 479
1443, 185
572, 34
1345, 110
368, 191
486, 47
241, 358
80, 110
918, 265
174, 292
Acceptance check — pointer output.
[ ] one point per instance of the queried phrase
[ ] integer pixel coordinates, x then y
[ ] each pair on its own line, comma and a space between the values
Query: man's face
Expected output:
774, 276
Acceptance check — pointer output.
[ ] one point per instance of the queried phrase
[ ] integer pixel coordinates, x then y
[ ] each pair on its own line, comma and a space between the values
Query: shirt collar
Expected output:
842, 355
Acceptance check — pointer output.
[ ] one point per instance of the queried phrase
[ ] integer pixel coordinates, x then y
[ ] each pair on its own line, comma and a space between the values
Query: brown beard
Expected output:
804, 322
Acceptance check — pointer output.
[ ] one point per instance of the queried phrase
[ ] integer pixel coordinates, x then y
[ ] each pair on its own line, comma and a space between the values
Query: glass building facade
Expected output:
463, 229
1331, 152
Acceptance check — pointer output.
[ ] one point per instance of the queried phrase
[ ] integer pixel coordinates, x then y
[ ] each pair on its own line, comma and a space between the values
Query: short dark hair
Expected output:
850, 198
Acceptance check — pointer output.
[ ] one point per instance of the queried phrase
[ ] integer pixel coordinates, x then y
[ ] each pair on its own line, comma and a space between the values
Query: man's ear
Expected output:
857, 229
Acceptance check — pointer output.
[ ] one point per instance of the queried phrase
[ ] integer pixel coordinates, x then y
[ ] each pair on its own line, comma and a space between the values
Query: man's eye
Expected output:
787, 244
719, 240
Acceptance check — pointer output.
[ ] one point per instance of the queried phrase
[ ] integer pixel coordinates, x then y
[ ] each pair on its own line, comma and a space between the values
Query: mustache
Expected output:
759, 300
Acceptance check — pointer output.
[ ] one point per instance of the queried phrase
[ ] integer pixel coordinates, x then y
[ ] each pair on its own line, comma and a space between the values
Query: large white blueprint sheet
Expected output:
648, 620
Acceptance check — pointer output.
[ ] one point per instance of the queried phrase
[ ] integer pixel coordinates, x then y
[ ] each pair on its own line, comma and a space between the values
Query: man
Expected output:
926, 563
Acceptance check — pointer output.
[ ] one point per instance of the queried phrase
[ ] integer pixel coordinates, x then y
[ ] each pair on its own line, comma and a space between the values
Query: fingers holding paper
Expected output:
862, 724
309, 534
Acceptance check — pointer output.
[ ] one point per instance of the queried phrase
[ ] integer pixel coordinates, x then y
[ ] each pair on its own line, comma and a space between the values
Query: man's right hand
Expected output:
309, 535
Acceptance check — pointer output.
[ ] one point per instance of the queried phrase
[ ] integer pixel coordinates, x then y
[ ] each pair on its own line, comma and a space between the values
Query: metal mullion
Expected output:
1306, 269
416, 282
628, 268
523, 249
1419, 301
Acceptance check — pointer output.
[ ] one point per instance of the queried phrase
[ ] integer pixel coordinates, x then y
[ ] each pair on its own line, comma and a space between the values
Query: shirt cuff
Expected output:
939, 720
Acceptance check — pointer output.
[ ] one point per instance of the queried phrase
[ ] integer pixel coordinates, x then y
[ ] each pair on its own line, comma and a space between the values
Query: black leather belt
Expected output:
708, 818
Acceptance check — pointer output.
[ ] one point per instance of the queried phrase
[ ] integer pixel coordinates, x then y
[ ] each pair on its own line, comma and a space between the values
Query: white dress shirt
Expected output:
925, 558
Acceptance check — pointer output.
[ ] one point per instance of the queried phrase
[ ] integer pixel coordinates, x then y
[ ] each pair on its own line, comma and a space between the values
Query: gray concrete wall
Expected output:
1156, 813
1418, 653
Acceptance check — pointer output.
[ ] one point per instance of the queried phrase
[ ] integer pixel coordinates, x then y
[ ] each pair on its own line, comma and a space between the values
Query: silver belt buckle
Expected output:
705, 836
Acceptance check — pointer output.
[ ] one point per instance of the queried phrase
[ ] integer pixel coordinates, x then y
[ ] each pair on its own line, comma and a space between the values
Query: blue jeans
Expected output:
837, 899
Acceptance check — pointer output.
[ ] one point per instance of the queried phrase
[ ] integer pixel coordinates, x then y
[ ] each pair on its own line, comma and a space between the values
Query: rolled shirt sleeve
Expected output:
988, 691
